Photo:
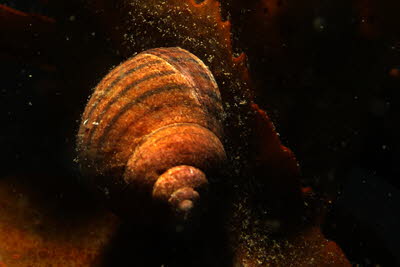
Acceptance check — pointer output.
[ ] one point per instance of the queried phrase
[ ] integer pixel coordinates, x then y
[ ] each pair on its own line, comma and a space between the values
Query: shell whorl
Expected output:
154, 122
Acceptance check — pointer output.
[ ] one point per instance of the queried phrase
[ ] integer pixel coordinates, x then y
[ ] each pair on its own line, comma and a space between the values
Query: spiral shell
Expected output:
153, 124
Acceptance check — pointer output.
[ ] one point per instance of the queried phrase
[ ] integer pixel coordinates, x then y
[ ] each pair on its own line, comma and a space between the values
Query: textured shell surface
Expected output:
157, 110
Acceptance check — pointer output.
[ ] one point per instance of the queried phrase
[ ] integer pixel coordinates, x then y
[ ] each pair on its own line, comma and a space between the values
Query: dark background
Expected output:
332, 99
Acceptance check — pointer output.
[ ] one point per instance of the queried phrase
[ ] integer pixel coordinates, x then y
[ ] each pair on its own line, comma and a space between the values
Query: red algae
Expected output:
308, 247
252, 143
31, 234
29, 37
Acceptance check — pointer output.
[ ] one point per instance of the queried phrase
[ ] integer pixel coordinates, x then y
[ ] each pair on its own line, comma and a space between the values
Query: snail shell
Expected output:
153, 125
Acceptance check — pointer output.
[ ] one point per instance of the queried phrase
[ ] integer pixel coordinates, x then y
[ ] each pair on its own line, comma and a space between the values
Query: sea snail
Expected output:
154, 125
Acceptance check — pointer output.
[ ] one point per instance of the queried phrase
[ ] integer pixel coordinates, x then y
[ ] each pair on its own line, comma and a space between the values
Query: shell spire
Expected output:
154, 125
